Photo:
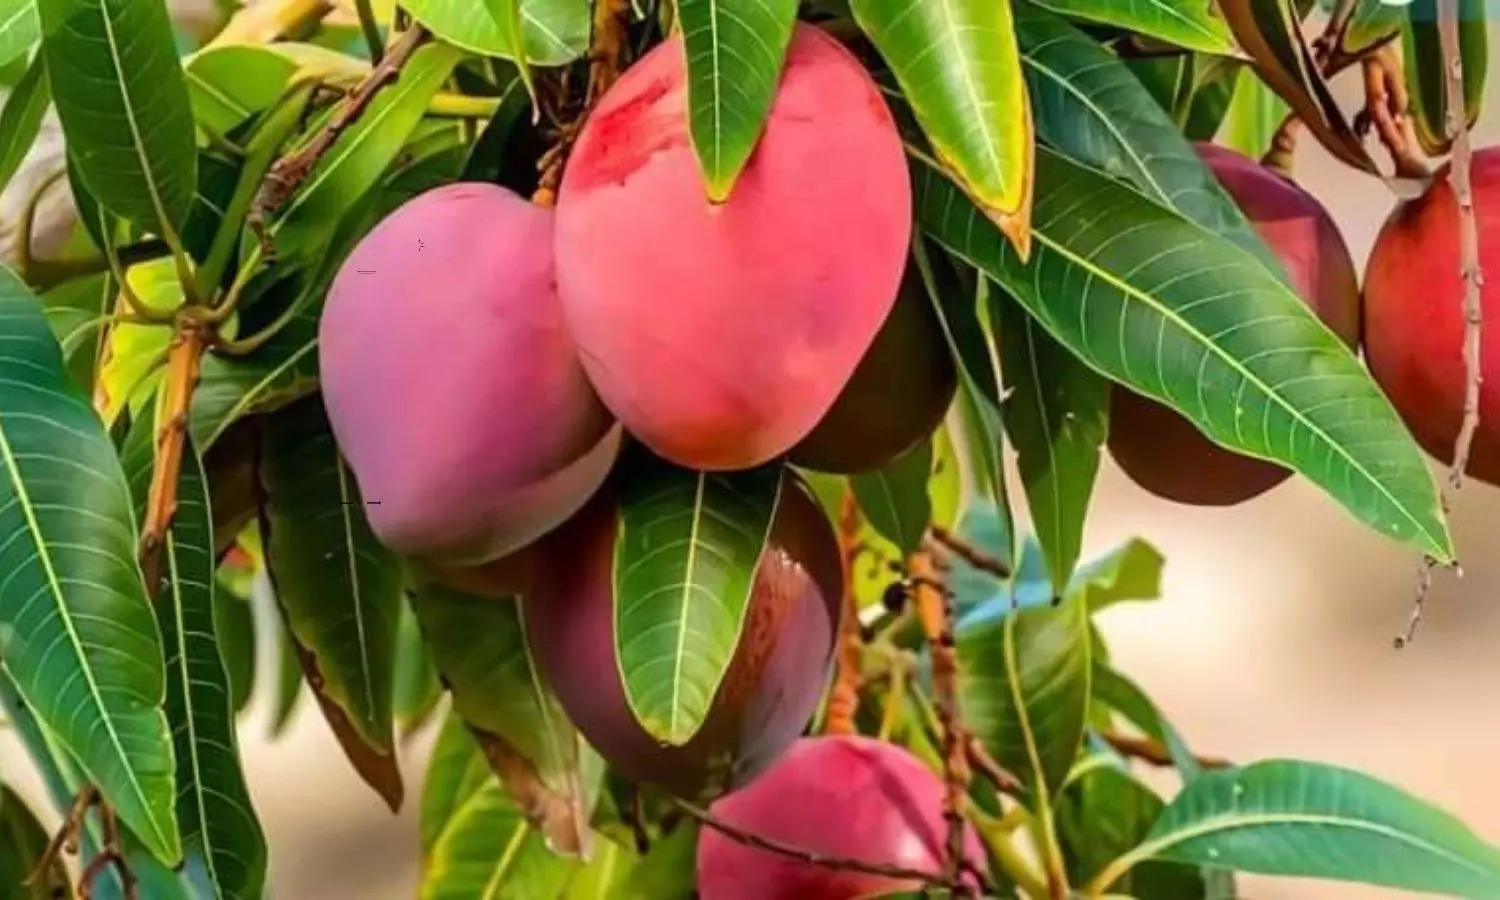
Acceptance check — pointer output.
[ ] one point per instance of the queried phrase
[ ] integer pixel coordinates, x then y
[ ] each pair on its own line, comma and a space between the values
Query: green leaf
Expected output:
484, 846
1024, 679
895, 499
1203, 318
479, 646
1106, 812
1057, 418
1125, 697
1426, 75
1283, 817
359, 158
1373, 22
234, 622
1270, 32
289, 680
1092, 108
79, 635
76, 310
339, 588
123, 105
686, 553
455, 772
667, 871
945, 488
554, 32
19, 29
21, 120
417, 691
958, 63
735, 52
22, 842
606, 874
221, 833
1254, 114
279, 373
1131, 571
230, 83
1186, 23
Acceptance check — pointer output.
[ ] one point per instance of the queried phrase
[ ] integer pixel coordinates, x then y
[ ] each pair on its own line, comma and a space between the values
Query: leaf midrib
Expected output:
685, 603
355, 593
23, 498
951, 34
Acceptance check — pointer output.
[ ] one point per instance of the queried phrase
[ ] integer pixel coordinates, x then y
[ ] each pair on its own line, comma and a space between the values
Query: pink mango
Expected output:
720, 334
846, 796
773, 682
451, 384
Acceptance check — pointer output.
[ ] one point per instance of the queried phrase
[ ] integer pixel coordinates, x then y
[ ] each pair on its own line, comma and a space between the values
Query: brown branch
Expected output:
843, 700
288, 172
968, 552
1387, 109
1004, 780
65, 839
110, 854
1149, 750
931, 598
750, 839
1328, 48
1473, 279
184, 358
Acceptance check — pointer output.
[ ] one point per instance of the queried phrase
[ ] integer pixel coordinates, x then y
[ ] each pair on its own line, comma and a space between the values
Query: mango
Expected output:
721, 333
846, 796
452, 386
773, 682
1164, 452
1414, 317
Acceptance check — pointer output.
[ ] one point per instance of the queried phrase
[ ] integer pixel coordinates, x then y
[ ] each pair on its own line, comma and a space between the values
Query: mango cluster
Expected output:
490, 367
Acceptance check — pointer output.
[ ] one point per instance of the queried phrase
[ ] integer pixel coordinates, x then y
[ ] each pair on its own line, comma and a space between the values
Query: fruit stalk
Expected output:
1386, 105
968, 552
1149, 750
1458, 174
843, 700
931, 598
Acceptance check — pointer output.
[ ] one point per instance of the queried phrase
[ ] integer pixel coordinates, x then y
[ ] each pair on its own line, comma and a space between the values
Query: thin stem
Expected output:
759, 842
843, 700
371, 29
1154, 752
968, 552
184, 358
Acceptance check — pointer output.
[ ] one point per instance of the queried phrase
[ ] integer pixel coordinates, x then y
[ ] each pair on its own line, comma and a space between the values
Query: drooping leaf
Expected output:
222, 836
230, 83
123, 105
735, 52
485, 847
76, 310
338, 587
479, 645
279, 373
79, 636
1373, 22
1427, 76
455, 772
1210, 104
685, 559
1185, 23
22, 842
1284, 817
1131, 571
958, 63
554, 32
360, 156
1057, 418
1105, 813
894, 499
945, 489
234, 622
1091, 108
1203, 318
1270, 32
1024, 682
21, 120
19, 29
135, 354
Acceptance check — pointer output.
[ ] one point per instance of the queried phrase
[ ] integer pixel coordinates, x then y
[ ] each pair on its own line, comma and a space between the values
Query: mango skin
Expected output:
1164, 452
897, 396
720, 334
1414, 323
452, 386
849, 796
773, 683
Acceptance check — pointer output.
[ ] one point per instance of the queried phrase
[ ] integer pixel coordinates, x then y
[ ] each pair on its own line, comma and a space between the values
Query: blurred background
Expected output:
1274, 638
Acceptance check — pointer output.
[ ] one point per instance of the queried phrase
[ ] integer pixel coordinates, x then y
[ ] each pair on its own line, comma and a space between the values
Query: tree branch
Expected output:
291, 170
968, 552
1149, 750
1387, 108
843, 700
184, 358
